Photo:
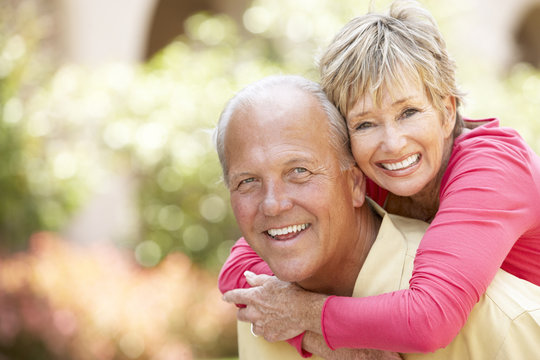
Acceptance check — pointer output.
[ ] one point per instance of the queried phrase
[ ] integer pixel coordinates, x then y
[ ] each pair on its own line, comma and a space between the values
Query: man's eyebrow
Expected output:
237, 175
395, 103
297, 160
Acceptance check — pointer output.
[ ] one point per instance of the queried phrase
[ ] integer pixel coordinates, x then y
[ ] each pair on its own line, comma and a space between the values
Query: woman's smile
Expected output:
399, 165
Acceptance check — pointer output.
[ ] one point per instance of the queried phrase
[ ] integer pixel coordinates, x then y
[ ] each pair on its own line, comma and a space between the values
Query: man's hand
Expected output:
277, 309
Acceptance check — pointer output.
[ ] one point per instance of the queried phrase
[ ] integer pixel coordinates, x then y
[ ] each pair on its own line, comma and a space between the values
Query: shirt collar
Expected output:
388, 266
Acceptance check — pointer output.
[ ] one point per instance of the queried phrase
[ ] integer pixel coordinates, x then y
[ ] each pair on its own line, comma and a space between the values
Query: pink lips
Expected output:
403, 171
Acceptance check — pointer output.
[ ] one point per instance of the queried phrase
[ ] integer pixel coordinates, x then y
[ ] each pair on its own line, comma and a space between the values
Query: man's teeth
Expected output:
402, 164
287, 230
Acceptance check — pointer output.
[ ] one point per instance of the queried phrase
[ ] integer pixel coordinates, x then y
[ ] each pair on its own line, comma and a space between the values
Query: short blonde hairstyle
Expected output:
374, 52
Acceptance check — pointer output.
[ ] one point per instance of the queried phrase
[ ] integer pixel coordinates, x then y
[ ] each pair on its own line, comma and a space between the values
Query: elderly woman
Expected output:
394, 82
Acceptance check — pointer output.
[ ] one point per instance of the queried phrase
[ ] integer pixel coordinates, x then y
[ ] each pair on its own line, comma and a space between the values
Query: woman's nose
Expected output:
393, 140
275, 200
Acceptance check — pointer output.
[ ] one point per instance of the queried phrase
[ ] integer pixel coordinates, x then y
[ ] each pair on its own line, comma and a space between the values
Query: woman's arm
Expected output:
274, 323
489, 199
241, 259
482, 214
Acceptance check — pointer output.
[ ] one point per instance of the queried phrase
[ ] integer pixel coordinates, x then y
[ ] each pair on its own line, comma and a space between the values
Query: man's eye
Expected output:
246, 181
300, 170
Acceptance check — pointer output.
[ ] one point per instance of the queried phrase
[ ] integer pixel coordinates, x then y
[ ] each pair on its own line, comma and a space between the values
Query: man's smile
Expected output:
287, 232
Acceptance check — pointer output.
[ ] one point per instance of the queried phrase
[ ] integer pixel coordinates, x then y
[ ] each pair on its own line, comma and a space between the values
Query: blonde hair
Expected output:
374, 52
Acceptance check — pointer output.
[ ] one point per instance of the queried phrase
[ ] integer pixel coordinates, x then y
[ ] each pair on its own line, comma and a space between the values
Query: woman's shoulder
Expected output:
486, 137
490, 149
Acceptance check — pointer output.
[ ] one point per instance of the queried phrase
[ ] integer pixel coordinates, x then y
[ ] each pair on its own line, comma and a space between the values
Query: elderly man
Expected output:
299, 201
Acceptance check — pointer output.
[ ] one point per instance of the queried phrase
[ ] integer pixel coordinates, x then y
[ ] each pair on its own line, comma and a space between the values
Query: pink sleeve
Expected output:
231, 276
242, 258
489, 199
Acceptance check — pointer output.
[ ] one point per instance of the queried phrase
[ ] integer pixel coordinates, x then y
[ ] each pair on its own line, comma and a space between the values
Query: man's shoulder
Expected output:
515, 297
412, 230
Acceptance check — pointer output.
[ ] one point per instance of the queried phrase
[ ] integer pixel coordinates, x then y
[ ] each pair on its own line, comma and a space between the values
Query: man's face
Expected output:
292, 202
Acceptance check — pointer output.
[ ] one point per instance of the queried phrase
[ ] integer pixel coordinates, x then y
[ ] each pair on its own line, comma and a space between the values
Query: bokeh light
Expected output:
67, 129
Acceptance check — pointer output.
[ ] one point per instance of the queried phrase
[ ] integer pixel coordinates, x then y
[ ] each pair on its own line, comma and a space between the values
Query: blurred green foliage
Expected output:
31, 198
63, 132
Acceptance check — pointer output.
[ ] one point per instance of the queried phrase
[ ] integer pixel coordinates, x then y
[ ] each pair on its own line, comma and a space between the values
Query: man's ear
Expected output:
449, 115
359, 186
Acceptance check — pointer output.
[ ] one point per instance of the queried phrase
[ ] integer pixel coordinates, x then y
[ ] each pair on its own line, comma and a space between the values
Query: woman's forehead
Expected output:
389, 90
392, 82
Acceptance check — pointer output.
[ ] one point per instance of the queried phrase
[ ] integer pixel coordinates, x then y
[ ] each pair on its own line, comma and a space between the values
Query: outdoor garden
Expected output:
65, 130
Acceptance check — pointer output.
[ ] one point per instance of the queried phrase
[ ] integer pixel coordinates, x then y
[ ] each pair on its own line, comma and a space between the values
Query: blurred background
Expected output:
113, 219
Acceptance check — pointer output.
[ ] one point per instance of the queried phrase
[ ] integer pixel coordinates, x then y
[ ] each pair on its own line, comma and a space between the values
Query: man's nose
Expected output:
393, 140
276, 199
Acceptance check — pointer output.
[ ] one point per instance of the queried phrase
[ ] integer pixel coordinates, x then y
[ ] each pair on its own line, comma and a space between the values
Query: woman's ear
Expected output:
449, 115
359, 186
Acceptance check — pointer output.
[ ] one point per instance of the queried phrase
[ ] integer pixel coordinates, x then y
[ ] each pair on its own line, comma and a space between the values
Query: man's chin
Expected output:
292, 275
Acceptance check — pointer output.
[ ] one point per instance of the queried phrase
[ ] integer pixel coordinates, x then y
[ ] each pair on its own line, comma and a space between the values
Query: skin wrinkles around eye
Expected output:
246, 181
360, 124
242, 181
409, 112
300, 170
299, 174
364, 125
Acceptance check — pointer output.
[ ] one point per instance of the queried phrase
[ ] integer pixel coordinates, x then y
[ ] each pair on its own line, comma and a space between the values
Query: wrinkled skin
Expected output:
281, 310
277, 309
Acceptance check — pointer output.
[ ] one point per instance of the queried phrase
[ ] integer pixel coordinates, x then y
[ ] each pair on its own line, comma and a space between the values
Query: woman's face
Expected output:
400, 143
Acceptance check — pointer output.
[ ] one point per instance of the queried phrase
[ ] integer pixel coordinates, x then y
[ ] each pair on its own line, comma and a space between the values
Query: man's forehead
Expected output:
299, 107
280, 126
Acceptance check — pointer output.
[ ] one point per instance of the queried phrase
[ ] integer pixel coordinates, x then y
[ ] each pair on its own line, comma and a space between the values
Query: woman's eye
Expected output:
409, 112
364, 125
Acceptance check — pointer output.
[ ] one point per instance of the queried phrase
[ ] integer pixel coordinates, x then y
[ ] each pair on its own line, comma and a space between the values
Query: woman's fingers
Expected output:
248, 314
238, 296
256, 280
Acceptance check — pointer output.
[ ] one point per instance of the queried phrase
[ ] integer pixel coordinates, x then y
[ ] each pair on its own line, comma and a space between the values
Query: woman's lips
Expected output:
403, 167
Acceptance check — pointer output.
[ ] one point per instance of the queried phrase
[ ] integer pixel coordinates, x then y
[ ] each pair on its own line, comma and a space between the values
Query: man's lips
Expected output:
287, 232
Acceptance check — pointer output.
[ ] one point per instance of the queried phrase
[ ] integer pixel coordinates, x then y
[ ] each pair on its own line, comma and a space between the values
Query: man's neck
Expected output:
339, 277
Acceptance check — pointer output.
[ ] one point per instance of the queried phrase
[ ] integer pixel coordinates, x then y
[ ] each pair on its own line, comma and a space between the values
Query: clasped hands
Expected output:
281, 310
277, 309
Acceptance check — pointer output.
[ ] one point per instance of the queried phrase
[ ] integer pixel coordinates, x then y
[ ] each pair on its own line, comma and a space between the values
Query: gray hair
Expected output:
339, 137
377, 51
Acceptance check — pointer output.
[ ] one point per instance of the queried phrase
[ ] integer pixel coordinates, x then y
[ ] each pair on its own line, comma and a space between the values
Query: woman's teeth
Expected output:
287, 230
402, 164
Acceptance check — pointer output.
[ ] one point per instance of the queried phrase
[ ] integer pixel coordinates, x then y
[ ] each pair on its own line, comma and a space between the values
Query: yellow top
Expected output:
505, 324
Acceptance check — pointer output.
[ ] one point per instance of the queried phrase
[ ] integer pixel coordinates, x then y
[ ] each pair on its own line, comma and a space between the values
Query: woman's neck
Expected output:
424, 204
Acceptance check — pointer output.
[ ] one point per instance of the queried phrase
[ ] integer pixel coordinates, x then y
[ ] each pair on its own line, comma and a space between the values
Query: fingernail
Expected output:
248, 273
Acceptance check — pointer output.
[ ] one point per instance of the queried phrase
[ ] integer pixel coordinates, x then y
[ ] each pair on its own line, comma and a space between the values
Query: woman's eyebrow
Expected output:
395, 103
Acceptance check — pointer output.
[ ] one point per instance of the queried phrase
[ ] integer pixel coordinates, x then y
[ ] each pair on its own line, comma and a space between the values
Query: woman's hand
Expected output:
277, 309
